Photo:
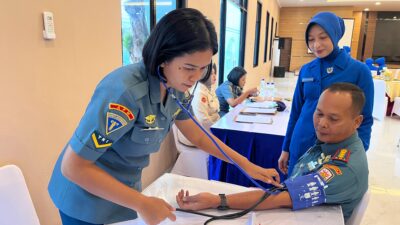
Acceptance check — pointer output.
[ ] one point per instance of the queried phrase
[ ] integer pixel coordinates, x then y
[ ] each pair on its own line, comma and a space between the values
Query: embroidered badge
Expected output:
337, 170
329, 70
100, 141
122, 109
204, 99
150, 119
114, 122
342, 155
176, 112
326, 174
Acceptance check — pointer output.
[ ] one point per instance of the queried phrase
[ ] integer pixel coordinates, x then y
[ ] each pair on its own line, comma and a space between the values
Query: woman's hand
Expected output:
283, 162
270, 176
252, 92
200, 201
154, 210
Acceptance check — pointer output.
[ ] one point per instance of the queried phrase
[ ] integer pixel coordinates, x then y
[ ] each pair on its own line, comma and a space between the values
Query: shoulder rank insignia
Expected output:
122, 109
337, 170
100, 141
114, 122
326, 174
150, 119
342, 155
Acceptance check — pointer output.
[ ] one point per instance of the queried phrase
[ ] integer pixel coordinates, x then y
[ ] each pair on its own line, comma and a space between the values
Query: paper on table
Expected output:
258, 118
266, 104
251, 110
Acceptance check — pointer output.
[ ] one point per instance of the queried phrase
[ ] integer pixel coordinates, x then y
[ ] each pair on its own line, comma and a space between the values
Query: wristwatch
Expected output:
223, 205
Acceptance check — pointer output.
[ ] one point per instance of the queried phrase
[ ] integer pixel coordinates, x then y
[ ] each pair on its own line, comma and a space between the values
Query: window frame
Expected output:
242, 4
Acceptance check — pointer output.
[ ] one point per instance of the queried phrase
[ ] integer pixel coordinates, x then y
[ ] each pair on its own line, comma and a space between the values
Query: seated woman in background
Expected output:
230, 93
205, 103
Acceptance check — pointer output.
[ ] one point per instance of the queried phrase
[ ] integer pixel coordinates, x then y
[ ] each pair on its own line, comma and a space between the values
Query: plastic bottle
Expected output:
263, 88
270, 91
273, 90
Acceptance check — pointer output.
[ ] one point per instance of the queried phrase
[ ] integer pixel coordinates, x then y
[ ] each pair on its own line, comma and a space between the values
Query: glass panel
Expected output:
266, 38
135, 29
257, 36
232, 37
164, 7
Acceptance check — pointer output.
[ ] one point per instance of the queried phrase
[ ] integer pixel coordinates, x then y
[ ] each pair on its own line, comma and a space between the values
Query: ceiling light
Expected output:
377, 3
366, 9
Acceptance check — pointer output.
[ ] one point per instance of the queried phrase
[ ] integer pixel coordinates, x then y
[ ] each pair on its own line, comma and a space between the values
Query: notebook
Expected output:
254, 118
251, 110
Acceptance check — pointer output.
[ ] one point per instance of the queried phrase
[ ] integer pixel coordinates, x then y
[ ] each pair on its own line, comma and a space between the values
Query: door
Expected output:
285, 46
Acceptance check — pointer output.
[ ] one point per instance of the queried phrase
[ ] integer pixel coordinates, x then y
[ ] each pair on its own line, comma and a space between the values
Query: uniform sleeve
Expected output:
200, 106
341, 182
296, 108
226, 91
366, 83
107, 118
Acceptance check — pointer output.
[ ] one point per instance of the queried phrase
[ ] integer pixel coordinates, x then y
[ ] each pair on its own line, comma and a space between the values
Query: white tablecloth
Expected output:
380, 101
278, 126
168, 185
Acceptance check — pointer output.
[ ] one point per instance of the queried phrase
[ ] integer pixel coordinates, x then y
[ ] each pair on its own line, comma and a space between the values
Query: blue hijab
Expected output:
334, 27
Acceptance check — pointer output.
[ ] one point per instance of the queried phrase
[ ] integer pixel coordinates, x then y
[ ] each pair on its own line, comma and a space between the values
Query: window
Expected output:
138, 19
270, 38
257, 36
233, 30
266, 38
387, 35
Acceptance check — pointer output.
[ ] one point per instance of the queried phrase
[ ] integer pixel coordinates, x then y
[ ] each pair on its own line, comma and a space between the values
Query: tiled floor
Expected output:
384, 173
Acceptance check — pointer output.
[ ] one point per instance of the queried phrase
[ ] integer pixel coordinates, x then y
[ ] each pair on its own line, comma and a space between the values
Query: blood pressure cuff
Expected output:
306, 191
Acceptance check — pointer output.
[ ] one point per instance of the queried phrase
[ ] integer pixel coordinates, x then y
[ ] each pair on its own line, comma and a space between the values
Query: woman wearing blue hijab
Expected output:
332, 65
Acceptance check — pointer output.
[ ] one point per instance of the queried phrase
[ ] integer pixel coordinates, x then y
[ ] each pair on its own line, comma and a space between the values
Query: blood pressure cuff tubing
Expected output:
306, 191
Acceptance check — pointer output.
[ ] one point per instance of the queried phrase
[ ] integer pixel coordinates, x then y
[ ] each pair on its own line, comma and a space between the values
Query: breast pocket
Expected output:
147, 137
312, 90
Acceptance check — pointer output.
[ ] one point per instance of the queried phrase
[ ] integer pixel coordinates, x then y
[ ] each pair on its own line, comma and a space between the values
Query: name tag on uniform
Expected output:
307, 79
152, 128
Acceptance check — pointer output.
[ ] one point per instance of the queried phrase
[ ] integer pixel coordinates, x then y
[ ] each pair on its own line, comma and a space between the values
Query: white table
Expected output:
168, 185
380, 100
260, 143
278, 126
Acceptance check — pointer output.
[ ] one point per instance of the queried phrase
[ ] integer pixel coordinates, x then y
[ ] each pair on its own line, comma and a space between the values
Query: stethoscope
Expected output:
268, 192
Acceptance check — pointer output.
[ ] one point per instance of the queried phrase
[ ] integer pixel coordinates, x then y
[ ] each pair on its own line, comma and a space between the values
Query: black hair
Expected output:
235, 75
208, 73
181, 31
357, 95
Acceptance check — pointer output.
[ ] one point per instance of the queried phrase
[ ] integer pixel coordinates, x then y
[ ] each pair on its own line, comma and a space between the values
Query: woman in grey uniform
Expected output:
97, 178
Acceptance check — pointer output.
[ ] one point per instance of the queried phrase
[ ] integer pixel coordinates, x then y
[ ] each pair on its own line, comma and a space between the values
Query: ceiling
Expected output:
386, 5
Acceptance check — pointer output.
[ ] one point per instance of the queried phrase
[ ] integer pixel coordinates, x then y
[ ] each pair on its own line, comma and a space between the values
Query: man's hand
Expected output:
200, 201
270, 176
283, 162
154, 210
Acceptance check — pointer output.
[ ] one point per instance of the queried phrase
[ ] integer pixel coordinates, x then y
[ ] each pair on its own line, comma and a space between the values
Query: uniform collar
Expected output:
330, 149
154, 88
340, 62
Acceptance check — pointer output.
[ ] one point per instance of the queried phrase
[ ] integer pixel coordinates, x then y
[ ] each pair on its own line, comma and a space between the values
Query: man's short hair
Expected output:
357, 95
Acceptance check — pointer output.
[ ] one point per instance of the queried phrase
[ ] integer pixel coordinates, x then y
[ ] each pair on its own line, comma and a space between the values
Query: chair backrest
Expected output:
16, 206
181, 142
359, 210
